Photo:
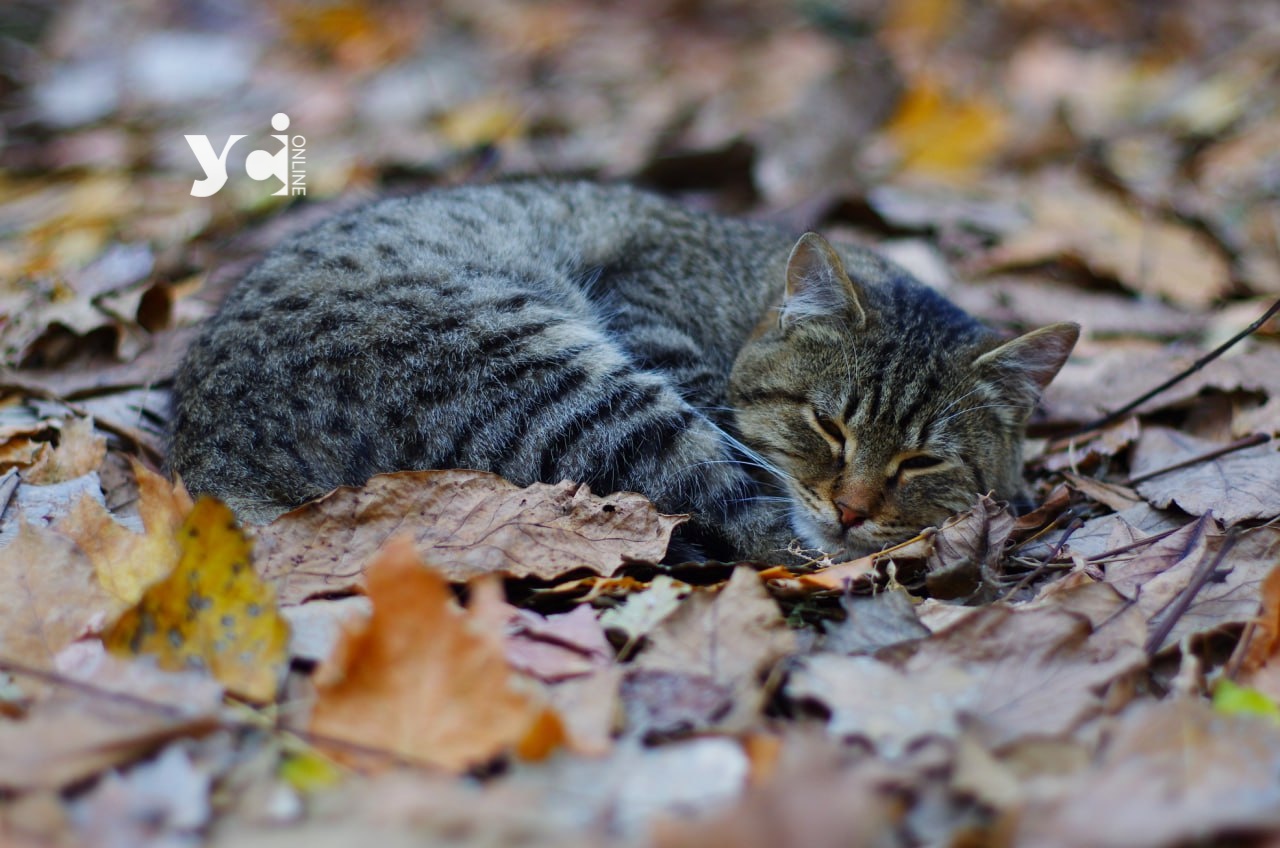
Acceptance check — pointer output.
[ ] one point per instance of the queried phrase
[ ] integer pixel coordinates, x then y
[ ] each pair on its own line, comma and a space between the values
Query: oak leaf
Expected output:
418, 681
211, 612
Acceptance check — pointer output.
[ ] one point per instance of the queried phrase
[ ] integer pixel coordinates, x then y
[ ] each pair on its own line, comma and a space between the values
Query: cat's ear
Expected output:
818, 287
1024, 366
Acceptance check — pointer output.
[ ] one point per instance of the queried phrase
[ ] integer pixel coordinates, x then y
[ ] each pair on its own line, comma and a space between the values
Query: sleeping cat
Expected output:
775, 389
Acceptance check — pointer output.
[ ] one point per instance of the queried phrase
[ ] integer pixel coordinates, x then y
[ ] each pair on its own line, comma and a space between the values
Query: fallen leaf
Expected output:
815, 805
1005, 674
417, 681
132, 709
731, 638
642, 611
967, 550
873, 622
467, 523
559, 647
1239, 486
937, 132
165, 797
80, 451
315, 627
1231, 596
127, 562
211, 612
1072, 219
1173, 773
49, 596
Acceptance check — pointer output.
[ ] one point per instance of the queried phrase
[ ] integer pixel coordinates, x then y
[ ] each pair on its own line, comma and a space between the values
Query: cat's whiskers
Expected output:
976, 409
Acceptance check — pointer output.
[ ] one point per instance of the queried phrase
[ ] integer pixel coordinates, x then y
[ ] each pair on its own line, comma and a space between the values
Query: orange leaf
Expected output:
418, 680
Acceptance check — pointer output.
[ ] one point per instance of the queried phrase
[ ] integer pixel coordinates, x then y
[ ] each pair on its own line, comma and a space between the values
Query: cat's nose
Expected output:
851, 516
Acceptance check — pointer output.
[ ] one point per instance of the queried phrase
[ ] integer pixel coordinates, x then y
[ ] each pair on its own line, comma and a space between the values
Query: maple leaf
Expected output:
212, 611
418, 681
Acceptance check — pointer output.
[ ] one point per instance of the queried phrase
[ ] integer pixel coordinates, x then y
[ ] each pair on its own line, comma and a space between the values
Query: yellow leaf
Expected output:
939, 133
309, 771
212, 611
484, 121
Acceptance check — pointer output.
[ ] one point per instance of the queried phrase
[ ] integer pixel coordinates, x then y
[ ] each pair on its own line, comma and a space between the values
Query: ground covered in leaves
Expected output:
442, 657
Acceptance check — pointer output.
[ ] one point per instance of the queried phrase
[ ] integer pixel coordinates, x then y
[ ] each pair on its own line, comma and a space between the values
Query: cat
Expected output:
776, 390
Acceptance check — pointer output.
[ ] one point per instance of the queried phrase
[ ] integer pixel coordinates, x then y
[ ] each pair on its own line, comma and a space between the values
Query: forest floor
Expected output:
507, 669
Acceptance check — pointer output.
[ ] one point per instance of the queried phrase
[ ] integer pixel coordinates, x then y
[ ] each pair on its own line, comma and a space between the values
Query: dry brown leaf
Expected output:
128, 562
1174, 773
466, 523
132, 709
49, 596
1239, 486
1105, 443
1072, 219
731, 638
417, 681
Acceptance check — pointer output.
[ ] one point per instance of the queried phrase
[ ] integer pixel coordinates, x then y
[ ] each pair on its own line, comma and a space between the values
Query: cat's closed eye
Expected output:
829, 426
919, 462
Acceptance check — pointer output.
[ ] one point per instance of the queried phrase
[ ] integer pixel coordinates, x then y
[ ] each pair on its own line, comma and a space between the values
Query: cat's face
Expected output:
883, 408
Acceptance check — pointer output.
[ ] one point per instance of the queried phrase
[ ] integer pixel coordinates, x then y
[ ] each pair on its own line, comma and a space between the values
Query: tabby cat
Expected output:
774, 389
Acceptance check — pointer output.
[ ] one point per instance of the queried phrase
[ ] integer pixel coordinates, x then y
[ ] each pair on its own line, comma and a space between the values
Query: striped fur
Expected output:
549, 331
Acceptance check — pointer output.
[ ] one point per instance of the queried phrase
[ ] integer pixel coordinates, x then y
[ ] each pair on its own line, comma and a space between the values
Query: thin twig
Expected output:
1112, 417
1141, 543
1045, 565
1201, 576
1238, 444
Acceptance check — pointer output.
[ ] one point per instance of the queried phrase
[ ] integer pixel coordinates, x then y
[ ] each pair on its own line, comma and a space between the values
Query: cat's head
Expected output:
885, 408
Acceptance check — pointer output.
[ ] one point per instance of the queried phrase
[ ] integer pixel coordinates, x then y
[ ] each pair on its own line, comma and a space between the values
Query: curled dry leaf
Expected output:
418, 681
967, 550
466, 523
212, 611
80, 451
1236, 487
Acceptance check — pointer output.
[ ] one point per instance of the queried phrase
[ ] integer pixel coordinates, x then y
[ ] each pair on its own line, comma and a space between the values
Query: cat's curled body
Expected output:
548, 331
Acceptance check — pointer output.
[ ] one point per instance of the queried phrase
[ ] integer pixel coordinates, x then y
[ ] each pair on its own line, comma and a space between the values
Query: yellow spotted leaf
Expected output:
211, 612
